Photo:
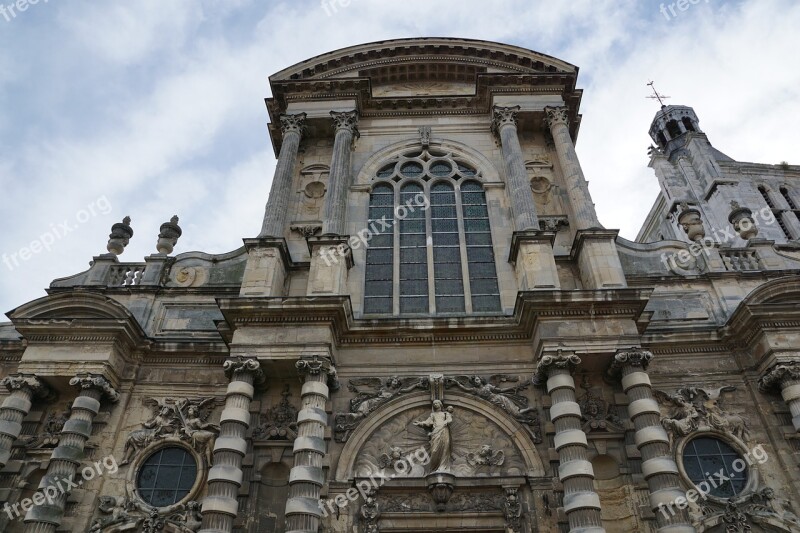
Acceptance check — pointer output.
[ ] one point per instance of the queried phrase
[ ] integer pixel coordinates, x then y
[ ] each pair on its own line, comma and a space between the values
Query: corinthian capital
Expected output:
347, 120
779, 376
635, 357
560, 361
30, 382
504, 116
234, 368
293, 123
95, 381
315, 366
556, 115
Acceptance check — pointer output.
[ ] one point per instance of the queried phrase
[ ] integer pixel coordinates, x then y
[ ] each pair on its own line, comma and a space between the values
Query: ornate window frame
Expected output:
389, 173
737, 444
131, 482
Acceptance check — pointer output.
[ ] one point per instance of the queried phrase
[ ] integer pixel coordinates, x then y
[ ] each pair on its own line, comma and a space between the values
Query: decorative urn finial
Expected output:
168, 238
120, 236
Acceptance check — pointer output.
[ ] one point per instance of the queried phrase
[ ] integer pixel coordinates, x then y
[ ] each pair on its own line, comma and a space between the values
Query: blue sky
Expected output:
154, 108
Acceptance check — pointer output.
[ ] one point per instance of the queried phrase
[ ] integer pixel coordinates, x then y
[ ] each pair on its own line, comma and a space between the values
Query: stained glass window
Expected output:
167, 476
705, 458
440, 230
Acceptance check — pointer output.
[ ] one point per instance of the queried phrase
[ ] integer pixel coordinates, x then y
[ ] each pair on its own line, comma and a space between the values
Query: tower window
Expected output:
687, 123
437, 258
778, 213
673, 129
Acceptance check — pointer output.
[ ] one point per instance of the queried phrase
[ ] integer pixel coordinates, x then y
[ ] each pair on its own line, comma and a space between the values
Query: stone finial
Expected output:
742, 220
692, 223
168, 238
95, 381
120, 236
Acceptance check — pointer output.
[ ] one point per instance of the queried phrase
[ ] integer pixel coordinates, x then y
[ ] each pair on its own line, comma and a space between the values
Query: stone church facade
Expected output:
432, 331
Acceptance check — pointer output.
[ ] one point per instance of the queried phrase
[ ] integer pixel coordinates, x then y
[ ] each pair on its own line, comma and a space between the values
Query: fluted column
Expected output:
785, 377
519, 187
24, 388
345, 126
67, 456
581, 502
658, 466
307, 477
577, 187
221, 505
280, 193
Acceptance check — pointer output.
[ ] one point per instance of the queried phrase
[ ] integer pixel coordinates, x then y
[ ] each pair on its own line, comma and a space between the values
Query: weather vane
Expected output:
659, 97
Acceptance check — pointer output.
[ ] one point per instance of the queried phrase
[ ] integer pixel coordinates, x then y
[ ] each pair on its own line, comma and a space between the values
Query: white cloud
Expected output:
173, 119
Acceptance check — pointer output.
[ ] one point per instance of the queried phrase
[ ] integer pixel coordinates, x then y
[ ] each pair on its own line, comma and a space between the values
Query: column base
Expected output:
598, 260
267, 264
532, 256
331, 259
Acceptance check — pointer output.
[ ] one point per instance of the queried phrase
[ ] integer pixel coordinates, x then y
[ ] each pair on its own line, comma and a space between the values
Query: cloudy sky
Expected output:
150, 108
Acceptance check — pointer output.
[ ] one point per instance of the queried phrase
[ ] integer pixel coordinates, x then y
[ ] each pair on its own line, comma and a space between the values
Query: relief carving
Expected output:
486, 456
372, 393
370, 513
185, 419
128, 515
51, 432
508, 398
693, 408
596, 413
438, 424
512, 510
278, 422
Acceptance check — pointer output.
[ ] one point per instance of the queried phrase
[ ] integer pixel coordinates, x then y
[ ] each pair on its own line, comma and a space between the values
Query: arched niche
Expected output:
414, 406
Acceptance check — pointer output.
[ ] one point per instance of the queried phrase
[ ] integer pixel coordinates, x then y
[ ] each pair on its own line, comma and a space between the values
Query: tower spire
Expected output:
656, 95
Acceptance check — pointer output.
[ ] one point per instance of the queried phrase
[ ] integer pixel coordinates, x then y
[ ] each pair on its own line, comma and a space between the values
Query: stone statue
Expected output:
163, 422
506, 398
201, 434
438, 424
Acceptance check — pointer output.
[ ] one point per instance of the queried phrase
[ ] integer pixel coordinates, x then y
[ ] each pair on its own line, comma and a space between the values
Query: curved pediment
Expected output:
441, 60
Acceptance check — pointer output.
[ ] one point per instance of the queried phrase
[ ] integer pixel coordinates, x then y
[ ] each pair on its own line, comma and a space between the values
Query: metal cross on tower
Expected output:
657, 96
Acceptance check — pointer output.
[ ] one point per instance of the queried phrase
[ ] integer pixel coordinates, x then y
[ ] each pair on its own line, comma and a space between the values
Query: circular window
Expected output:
411, 170
167, 476
715, 467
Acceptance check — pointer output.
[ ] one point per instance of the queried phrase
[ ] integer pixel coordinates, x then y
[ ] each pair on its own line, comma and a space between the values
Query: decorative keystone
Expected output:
120, 236
168, 238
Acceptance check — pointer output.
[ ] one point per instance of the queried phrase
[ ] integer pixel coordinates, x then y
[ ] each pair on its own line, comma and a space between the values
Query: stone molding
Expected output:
504, 116
234, 367
346, 120
636, 357
32, 382
293, 123
557, 116
95, 381
559, 361
779, 375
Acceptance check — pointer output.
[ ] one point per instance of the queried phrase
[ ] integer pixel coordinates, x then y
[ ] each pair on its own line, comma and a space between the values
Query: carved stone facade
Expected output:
431, 332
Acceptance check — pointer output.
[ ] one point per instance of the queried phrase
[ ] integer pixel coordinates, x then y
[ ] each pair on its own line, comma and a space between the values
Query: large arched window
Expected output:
434, 255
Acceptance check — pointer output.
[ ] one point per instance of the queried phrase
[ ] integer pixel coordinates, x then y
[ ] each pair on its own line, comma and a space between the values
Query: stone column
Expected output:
306, 478
658, 465
581, 502
67, 456
345, 126
504, 122
577, 188
23, 388
221, 505
280, 193
785, 377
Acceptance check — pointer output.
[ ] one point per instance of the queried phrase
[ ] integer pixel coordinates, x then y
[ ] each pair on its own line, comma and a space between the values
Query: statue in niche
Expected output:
506, 398
438, 424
